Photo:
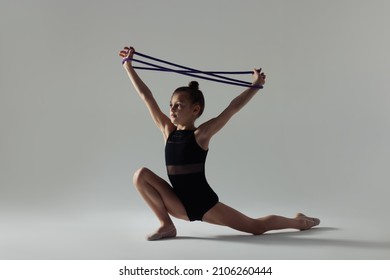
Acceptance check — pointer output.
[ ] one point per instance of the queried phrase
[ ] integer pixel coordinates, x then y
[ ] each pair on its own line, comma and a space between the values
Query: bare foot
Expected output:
163, 232
307, 222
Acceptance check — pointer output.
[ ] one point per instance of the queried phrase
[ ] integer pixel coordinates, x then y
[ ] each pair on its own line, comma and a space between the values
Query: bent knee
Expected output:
259, 231
140, 175
259, 228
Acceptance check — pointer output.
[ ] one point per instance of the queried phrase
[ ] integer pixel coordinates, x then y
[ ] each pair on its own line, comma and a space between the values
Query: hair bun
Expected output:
193, 85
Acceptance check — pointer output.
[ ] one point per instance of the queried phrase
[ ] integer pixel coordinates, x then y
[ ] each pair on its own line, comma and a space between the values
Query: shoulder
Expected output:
168, 130
203, 136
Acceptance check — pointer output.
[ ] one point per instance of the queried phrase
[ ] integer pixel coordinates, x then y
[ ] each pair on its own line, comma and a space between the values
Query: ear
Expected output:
196, 109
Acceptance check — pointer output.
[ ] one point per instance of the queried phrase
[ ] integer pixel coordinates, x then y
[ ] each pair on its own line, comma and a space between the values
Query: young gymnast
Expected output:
189, 197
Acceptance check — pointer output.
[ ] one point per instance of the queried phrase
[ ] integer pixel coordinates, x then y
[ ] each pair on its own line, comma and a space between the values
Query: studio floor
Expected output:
117, 235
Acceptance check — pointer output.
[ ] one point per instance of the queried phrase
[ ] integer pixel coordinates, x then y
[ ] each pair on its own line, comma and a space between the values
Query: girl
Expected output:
190, 197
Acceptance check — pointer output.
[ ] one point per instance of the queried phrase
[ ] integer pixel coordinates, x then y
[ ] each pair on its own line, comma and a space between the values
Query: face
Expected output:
182, 111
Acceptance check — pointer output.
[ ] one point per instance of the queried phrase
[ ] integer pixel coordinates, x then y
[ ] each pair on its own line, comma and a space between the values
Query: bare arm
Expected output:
161, 120
208, 129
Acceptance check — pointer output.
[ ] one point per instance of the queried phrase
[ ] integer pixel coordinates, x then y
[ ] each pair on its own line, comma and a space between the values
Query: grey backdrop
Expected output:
314, 140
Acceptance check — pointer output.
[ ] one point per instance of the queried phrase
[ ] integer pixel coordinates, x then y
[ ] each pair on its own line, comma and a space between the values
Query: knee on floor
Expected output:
259, 230
261, 226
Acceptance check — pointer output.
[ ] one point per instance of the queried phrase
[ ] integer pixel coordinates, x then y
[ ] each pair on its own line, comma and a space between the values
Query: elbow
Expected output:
145, 95
235, 106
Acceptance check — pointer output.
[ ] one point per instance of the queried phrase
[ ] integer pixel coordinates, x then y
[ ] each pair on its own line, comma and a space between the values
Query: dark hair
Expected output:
196, 96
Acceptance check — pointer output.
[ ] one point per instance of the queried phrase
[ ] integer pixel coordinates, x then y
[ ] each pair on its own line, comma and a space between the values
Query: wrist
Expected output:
126, 61
257, 84
127, 65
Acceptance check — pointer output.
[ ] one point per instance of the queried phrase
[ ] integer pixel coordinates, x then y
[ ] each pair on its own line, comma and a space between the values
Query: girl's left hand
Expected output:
259, 77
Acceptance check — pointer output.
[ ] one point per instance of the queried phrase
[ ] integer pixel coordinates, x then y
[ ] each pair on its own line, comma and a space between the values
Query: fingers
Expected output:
127, 52
259, 75
258, 72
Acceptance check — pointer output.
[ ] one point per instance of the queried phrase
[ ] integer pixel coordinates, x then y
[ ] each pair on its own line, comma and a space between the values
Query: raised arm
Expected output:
211, 127
161, 120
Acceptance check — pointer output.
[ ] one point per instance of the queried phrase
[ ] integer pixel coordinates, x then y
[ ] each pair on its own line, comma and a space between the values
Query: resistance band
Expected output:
216, 76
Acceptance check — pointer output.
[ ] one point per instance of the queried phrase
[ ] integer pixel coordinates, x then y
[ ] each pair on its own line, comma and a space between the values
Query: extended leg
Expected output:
161, 199
222, 214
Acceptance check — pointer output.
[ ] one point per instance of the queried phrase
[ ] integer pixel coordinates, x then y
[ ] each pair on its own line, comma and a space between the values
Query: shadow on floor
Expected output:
292, 238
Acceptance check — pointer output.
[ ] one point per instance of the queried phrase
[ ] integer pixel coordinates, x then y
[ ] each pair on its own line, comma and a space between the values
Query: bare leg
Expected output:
161, 199
222, 214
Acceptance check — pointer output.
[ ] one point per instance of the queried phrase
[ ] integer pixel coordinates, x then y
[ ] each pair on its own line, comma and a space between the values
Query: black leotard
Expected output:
185, 161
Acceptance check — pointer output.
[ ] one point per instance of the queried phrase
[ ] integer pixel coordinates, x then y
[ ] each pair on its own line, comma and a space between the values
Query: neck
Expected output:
186, 127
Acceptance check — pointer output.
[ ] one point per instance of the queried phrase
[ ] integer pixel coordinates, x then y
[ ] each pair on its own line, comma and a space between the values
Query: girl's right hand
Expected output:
127, 54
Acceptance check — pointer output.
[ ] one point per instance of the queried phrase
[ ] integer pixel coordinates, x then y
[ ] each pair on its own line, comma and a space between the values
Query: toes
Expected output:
316, 221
